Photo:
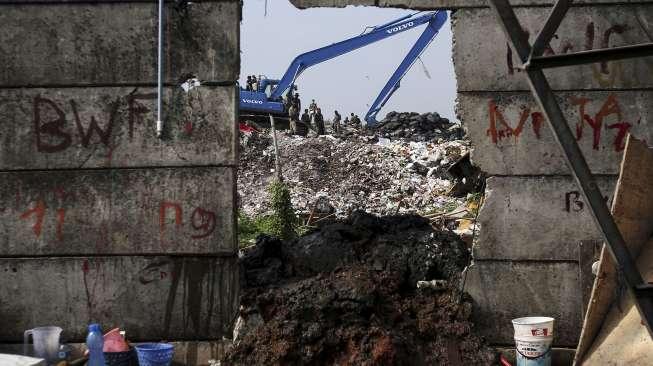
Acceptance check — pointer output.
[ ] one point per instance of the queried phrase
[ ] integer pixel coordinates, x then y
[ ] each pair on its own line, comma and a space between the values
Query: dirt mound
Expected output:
347, 295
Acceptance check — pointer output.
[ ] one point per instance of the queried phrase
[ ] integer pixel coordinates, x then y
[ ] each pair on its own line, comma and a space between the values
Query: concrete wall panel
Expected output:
483, 61
511, 136
116, 127
116, 43
536, 218
503, 291
436, 4
153, 298
126, 211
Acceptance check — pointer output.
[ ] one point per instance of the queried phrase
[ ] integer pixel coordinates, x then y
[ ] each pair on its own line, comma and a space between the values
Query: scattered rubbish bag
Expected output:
116, 349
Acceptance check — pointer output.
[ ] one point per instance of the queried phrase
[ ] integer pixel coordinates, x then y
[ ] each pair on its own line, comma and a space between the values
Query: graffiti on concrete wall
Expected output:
202, 221
607, 119
607, 74
574, 201
44, 215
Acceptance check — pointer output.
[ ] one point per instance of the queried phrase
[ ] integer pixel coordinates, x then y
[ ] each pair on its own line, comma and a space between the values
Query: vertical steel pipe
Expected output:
159, 119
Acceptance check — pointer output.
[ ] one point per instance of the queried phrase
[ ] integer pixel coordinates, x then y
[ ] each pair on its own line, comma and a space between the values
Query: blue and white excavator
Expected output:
268, 98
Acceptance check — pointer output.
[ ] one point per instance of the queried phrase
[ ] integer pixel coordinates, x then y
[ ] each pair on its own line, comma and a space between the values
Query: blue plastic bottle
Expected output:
95, 344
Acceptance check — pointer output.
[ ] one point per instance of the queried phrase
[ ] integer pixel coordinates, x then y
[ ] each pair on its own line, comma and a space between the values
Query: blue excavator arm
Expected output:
260, 102
308, 59
432, 29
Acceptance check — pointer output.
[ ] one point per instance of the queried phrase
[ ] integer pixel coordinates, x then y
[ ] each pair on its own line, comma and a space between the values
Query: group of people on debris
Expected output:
312, 117
252, 83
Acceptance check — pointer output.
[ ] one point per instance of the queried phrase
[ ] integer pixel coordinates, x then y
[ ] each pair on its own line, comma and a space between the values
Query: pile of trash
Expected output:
375, 174
418, 127
366, 290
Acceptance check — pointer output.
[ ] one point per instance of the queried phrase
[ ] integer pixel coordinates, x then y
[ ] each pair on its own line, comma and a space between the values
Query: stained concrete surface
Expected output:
113, 43
536, 218
153, 298
116, 127
134, 211
511, 135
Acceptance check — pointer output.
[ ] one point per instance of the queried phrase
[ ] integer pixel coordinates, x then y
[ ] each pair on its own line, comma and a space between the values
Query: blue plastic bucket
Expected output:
155, 354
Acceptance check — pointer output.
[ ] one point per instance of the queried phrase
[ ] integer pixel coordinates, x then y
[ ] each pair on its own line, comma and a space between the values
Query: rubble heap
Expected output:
418, 127
347, 294
379, 175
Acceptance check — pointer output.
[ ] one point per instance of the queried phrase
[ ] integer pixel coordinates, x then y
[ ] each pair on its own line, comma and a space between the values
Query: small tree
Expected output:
283, 220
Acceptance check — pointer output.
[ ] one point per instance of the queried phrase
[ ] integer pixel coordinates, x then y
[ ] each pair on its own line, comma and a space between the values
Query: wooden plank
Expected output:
633, 212
116, 44
623, 339
116, 127
152, 298
124, 211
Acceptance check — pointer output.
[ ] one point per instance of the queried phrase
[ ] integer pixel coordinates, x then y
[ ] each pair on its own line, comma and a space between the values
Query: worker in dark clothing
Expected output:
306, 119
319, 122
312, 108
355, 121
292, 111
288, 99
249, 83
335, 124
254, 83
352, 120
298, 102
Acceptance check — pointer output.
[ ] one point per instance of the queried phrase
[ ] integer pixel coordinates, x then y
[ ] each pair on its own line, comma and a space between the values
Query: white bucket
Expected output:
533, 338
534, 351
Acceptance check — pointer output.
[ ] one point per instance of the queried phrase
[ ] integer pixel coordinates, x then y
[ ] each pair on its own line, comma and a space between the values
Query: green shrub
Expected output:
281, 223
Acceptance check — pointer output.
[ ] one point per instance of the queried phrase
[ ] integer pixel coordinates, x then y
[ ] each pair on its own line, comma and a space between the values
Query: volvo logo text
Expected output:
399, 27
253, 101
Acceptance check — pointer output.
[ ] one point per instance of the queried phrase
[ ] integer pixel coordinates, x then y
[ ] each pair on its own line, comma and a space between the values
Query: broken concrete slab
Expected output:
504, 290
153, 298
484, 61
124, 211
535, 218
115, 43
430, 4
116, 127
512, 137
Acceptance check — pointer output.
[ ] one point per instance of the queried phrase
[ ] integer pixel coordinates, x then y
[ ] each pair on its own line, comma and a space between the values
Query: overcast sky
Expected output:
351, 82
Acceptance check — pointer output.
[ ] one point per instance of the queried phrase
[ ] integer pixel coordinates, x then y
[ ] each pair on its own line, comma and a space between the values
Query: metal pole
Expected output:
277, 160
159, 121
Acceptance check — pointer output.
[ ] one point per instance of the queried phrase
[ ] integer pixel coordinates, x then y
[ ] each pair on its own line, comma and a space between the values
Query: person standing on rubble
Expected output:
254, 83
312, 109
335, 124
292, 111
306, 119
249, 83
356, 121
297, 102
319, 122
